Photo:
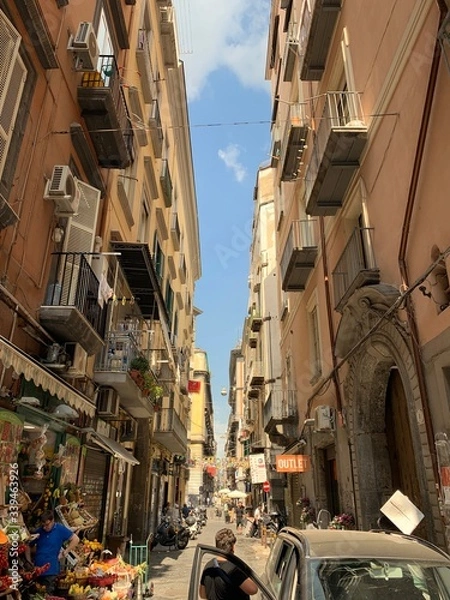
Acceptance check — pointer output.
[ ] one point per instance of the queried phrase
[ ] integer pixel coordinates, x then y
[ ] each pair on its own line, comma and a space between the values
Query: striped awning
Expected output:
31, 369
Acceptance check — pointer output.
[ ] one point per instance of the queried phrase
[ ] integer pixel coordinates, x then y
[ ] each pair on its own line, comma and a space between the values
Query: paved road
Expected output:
170, 569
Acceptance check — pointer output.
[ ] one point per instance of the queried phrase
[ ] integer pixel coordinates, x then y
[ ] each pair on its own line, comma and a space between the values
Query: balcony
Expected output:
256, 321
169, 431
257, 374
253, 341
294, 140
280, 408
142, 278
168, 36
290, 51
105, 112
340, 141
299, 255
112, 369
355, 268
156, 132
166, 183
317, 23
71, 311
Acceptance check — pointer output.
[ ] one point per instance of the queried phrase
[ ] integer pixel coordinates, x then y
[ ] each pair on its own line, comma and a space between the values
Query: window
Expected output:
158, 258
315, 351
12, 80
144, 220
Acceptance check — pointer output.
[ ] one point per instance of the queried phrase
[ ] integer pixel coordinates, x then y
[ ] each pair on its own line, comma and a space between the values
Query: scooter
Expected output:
192, 525
170, 533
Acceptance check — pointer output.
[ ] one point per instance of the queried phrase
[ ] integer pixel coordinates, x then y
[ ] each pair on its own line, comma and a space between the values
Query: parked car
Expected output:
325, 564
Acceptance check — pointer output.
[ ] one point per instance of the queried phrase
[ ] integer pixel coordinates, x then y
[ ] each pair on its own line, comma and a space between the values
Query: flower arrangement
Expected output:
343, 521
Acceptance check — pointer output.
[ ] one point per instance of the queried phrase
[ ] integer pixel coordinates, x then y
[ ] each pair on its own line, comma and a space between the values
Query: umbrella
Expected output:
224, 491
237, 494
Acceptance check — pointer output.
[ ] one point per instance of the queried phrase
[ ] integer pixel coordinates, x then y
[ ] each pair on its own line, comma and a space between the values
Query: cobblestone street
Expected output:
170, 570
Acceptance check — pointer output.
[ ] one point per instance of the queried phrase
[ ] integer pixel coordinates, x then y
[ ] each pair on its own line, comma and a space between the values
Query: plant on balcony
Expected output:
150, 386
140, 363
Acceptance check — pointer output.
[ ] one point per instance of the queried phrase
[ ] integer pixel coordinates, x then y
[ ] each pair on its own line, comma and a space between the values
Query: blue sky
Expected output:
223, 45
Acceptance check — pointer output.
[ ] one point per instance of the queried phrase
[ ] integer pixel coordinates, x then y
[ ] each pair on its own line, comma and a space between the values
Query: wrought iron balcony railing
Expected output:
71, 309
356, 267
106, 114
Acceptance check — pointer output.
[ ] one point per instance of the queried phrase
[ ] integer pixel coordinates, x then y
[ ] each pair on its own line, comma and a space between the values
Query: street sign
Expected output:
266, 486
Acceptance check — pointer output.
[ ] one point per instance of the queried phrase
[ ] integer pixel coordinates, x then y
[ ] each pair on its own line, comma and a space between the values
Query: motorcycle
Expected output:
192, 525
170, 533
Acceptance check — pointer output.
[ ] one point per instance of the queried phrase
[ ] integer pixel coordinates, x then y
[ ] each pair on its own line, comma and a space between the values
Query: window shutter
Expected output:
12, 81
80, 236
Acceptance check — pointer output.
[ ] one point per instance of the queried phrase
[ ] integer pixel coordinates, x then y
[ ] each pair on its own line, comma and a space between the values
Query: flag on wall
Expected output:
194, 386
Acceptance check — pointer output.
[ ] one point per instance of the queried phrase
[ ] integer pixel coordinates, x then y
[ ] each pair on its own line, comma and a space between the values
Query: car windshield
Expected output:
376, 579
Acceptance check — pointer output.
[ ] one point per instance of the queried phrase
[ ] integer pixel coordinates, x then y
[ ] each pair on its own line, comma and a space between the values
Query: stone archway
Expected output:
366, 388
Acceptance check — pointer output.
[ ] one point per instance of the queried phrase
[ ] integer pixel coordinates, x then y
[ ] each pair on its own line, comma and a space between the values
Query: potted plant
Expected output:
139, 365
150, 386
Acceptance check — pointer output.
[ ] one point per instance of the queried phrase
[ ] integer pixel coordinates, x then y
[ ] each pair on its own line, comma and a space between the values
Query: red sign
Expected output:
292, 463
266, 486
193, 386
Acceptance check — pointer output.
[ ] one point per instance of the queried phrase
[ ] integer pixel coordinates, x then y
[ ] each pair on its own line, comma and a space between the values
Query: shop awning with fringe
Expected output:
31, 369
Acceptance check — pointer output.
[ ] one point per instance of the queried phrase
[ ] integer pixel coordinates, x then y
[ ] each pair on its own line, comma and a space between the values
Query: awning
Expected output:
31, 369
112, 447
139, 269
137, 264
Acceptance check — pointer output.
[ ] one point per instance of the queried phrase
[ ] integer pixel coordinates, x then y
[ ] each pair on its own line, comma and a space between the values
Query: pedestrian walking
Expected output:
221, 579
240, 517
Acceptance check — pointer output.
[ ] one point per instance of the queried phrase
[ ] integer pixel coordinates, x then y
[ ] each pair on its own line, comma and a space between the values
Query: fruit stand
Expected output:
99, 578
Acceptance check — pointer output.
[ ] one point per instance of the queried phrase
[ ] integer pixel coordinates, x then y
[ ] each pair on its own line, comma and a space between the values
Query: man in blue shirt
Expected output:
49, 548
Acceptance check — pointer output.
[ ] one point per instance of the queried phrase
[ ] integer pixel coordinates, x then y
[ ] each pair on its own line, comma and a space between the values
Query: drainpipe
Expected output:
326, 277
402, 262
335, 371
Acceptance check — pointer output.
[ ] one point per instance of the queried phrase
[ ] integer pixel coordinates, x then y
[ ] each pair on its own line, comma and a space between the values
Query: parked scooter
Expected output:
170, 533
274, 521
192, 525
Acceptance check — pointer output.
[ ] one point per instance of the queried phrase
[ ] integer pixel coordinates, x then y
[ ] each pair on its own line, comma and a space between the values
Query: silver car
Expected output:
327, 564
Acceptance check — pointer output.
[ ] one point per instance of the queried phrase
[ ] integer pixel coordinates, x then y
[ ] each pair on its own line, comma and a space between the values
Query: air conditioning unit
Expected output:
62, 188
324, 418
84, 47
78, 359
107, 403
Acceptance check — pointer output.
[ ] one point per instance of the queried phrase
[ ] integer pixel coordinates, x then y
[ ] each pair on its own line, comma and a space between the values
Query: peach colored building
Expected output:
99, 246
360, 128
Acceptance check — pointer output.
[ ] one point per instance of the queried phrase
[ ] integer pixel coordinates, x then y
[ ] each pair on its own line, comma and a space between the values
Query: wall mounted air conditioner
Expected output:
324, 418
84, 47
107, 403
62, 188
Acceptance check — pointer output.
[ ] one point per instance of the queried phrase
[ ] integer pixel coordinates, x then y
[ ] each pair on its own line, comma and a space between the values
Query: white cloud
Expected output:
223, 33
230, 157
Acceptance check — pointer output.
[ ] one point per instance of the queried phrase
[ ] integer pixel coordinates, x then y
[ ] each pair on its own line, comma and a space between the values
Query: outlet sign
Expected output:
293, 463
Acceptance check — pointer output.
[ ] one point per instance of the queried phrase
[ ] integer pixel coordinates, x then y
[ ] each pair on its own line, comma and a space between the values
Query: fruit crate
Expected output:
84, 519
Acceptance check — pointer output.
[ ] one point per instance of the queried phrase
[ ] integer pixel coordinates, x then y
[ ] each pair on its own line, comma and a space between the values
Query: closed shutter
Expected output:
80, 237
12, 81
95, 484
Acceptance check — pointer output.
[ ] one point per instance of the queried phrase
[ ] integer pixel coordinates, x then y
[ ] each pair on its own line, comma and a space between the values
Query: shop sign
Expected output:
258, 472
293, 463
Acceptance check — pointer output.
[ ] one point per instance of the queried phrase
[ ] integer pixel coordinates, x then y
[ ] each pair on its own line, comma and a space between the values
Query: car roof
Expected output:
332, 543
